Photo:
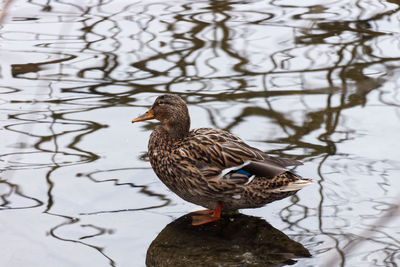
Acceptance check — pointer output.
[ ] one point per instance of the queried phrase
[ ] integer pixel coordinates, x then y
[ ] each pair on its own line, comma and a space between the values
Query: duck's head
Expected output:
173, 114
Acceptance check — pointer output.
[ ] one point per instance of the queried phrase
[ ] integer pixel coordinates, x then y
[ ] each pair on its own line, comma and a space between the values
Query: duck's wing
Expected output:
222, 155
260, 155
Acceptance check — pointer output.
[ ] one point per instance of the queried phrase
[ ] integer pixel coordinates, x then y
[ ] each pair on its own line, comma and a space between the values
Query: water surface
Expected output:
315, 81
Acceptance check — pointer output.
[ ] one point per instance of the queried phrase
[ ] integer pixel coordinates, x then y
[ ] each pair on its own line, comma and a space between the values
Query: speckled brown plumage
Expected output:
206, 166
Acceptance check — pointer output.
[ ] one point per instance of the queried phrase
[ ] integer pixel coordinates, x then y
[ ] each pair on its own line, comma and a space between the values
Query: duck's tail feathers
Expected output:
294, 186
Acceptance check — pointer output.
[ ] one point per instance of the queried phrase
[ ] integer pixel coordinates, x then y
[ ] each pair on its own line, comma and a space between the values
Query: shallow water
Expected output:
315, 81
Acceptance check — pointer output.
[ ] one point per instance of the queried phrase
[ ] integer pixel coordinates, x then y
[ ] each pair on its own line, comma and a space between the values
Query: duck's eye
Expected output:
164, 103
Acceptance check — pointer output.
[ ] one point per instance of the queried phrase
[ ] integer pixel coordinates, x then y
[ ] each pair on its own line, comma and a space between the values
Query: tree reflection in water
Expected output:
305, 71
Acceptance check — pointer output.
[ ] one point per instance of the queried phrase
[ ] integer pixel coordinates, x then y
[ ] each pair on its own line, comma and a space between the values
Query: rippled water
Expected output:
315, 81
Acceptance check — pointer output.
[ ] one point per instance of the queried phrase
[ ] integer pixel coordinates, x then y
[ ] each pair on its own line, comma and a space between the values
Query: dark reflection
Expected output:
12, 197
21, 69
165, 201
70, 221
237, 240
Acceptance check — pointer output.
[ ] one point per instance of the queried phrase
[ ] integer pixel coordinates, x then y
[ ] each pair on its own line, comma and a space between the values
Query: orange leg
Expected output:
204, 212
216, 215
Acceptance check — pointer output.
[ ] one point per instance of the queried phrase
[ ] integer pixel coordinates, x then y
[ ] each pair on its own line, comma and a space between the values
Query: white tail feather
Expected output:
293, 186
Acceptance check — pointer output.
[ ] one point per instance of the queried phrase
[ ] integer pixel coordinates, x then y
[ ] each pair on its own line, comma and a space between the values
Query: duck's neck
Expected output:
177, 130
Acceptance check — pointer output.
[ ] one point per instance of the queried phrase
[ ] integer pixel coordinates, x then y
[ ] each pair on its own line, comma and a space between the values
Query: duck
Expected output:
211, 167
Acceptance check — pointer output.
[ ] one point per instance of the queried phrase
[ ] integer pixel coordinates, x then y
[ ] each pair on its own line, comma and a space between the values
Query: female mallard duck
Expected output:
211, 167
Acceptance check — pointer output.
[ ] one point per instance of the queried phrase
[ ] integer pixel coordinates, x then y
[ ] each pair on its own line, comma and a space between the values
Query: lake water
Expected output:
316, 81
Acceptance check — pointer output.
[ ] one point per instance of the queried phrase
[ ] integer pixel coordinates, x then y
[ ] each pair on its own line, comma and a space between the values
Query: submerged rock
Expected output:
236, 240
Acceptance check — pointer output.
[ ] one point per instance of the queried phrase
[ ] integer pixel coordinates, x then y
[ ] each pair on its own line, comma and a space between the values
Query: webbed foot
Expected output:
213, 215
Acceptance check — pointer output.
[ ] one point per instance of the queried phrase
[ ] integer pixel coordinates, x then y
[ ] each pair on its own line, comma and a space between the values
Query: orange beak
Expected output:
146, 116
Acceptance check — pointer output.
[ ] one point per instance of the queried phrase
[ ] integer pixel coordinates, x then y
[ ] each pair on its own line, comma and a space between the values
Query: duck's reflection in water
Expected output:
236, 240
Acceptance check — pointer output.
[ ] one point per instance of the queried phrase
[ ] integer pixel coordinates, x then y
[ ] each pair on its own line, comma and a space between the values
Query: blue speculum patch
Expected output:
241, 171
